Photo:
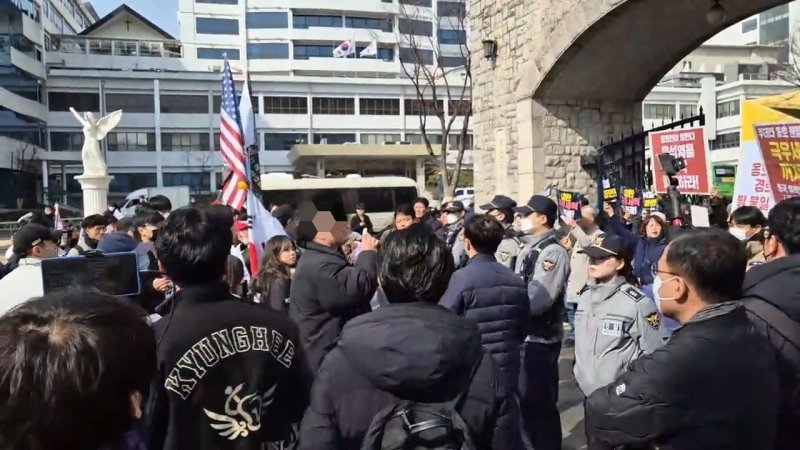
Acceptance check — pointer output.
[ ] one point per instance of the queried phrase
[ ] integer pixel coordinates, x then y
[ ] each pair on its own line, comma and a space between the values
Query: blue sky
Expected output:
161, 12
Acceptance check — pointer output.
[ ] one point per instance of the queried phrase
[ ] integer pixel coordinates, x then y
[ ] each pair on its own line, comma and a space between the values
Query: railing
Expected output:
114, 47
7, 229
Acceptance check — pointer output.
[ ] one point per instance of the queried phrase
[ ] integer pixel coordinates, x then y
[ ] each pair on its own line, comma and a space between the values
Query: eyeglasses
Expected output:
654, 271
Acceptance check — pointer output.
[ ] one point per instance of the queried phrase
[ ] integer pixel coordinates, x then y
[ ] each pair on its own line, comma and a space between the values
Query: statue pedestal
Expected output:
95, 193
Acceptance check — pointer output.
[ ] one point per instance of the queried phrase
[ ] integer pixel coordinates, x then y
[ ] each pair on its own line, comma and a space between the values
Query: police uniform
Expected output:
615, 323
454, 234
544, 265
512, 243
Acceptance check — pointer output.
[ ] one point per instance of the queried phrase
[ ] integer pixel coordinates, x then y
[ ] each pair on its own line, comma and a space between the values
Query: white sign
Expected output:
752, 182
700, 217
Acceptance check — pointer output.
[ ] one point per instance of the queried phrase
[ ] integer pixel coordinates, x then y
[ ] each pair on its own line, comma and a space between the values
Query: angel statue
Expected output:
93, 132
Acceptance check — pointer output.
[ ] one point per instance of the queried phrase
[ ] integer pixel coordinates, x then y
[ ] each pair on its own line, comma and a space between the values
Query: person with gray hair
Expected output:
585, 233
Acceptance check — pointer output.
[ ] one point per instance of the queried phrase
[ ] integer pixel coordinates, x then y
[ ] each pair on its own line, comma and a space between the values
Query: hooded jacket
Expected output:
778, 282
413, 351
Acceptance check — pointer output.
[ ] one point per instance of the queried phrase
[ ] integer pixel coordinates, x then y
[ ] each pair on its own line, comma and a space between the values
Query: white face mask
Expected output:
451, 219
166, 214
657, 282
525, 225
738, 233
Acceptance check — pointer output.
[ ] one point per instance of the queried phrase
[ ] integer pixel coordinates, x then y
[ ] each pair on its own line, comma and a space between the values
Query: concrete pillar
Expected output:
45, 182
321, 168
64, 184
95, 193
420, 175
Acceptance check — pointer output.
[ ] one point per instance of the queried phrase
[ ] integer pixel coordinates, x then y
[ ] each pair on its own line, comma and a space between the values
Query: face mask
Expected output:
657, 282
525, 225
154, 235
451, 219
739, 234
166, 214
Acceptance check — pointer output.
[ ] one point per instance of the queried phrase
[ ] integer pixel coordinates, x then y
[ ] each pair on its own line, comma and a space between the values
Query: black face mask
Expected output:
92, 243
154, 235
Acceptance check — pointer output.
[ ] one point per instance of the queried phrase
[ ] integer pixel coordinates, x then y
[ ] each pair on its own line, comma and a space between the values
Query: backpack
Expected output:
409, 425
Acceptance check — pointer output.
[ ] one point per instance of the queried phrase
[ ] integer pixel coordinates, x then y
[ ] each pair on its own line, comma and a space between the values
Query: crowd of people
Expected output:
442, 331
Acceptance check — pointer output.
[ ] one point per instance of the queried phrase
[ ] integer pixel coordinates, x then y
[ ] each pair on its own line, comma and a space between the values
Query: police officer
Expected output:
615, 322
544, 266
453, 231
502, 209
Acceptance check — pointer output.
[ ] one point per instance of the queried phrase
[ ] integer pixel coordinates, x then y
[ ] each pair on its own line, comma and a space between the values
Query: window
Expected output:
368, 23
210, 25
121, 141
428, 107
749, 25
215, 103
285, 105
727, 140
457, 37
268, 50
129, 182
66, 141
334, 138
379, 106
22, 128
453, 61
454, 142
306, 21
302, 51
185, 142
255, 20
283, 141
416, 27
184, 104
451, 9
384, 53
130, 103
416, 56
425, 3
653, 111
197, 181
333, 105
460, 108
82, 101
414, 138
728, 109
215, 141
688, 111
217, 53
379, 138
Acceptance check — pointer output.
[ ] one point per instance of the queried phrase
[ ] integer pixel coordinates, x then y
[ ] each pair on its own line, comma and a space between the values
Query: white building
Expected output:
169, 90
775, 26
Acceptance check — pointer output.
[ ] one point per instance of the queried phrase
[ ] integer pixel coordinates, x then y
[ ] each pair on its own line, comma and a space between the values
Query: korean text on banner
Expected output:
752, 185
780, 148
686, 143
569, 204
631, 201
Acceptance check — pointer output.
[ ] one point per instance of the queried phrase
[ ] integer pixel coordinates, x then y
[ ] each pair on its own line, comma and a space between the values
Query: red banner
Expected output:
780, 146
686, 143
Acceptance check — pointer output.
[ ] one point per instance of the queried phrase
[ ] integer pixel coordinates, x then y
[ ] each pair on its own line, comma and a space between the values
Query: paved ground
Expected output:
570, 404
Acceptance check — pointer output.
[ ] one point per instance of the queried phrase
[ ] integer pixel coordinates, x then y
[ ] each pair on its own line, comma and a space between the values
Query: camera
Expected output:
670, 164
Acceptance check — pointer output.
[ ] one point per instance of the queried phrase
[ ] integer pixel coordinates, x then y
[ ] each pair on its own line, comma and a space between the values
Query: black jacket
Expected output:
409, 351
231, 374
326, 292
778, 282
355, 224
496, 298
712, 386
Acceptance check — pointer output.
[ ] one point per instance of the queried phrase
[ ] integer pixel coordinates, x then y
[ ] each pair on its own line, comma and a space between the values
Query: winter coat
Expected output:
648, 252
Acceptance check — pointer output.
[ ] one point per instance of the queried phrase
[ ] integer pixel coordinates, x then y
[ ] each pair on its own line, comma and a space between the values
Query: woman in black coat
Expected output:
272, 282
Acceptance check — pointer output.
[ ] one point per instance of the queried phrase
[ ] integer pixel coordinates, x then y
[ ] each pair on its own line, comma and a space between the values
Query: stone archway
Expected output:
570, 74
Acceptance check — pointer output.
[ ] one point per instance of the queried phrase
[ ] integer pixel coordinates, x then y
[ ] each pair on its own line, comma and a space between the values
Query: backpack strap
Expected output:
529, 263
776, 318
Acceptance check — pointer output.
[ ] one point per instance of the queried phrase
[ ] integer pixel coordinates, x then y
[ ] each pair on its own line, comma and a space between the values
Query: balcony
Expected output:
94, 53
22, 105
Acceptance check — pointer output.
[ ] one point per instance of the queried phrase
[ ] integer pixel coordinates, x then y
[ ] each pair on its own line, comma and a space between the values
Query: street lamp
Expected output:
490, 49
716, 14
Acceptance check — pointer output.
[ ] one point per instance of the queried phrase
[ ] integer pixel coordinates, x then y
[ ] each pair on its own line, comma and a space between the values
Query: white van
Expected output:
179, 196
380, 195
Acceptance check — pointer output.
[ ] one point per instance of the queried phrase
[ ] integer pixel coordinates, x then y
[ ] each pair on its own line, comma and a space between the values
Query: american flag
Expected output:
230, 142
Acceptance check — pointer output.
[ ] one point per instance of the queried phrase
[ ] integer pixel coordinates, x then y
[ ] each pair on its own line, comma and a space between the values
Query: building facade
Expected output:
169, 88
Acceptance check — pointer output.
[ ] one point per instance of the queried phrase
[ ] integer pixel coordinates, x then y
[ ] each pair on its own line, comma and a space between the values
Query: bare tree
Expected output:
23, 158
790, 70
439, 73
201, 160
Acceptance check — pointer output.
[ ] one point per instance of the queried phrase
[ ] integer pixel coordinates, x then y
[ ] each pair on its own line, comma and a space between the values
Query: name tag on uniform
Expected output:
612, 328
